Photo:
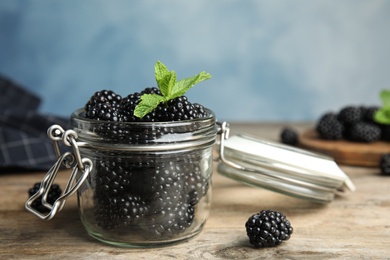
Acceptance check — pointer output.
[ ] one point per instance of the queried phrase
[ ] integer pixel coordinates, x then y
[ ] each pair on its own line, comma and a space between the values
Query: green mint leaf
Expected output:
147, 104
385, 97
382, 116
162, 76
182, 86
169, 87
160, 70
167, 83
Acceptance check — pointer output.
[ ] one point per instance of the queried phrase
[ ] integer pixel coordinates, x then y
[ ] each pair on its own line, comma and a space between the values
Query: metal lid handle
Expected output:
69, 160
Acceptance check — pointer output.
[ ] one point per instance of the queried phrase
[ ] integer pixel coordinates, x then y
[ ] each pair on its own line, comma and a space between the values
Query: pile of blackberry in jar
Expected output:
156, 194
106, 105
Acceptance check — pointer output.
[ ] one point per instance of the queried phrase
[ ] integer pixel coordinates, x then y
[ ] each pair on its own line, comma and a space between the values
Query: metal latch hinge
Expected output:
68, 159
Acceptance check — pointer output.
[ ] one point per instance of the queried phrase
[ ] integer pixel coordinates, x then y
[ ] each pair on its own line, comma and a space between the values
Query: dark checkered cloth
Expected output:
24, 144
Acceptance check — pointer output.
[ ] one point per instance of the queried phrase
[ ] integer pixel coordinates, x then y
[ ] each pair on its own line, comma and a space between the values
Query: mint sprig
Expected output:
382, 115
169, 87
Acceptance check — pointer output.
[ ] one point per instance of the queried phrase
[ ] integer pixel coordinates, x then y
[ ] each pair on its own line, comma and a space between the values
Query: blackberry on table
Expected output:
268, 228
104, 105
364, 132
289, 136
329, 127
384, 164
54, 193
350, 115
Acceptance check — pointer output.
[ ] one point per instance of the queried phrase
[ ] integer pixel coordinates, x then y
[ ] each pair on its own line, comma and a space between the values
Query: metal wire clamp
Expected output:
70, 160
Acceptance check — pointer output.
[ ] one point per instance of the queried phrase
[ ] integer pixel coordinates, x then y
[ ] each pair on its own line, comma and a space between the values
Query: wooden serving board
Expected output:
345, 152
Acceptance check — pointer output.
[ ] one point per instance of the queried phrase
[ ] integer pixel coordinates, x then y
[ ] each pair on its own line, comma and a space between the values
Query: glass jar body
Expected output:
148, 187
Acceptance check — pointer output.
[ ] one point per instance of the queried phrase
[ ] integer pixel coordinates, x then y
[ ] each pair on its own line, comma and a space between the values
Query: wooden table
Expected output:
355, 226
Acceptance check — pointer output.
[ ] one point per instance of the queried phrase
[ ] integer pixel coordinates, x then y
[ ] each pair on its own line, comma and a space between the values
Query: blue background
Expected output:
270, 60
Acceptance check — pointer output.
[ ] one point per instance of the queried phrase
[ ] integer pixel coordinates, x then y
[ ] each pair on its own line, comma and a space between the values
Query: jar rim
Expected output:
149, 136
78, 115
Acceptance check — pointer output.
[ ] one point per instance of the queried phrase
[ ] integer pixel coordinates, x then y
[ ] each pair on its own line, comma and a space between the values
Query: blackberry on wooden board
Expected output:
368, 113
329, 127
350, 115
363, 132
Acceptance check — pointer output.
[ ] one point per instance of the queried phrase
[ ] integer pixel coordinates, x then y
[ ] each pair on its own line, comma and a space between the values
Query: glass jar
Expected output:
150, 182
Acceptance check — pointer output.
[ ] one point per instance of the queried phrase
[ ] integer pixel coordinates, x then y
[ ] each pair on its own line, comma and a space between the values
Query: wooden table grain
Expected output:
354, 226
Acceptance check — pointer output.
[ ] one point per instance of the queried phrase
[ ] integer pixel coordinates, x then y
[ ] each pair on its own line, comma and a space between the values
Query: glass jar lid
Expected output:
281, 168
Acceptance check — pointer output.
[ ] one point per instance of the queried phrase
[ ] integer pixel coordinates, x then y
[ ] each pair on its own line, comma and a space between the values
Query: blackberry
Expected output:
167, 173
289, 136
54, 193
384, 164
368, 113
112, 178
116, 212
176, 109
171, 214
116, 177
104, 105
329, 127
125, 132
268, 228
201, 110
195, 182
113, 132
363, 132
175, 199
128, 105
151, 90
350, 115
179, 109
